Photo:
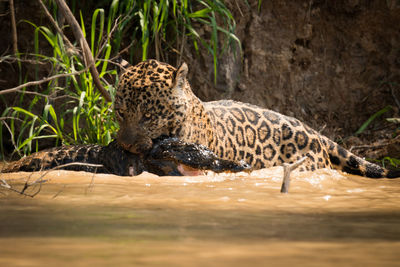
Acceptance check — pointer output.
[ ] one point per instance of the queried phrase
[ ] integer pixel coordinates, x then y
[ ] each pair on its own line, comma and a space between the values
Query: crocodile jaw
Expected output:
189, 171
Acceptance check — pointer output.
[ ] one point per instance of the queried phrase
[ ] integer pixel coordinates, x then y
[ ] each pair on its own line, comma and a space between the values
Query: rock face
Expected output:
327, 63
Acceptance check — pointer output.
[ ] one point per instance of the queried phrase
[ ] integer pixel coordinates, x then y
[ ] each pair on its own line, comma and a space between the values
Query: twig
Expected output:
5, 185
13, 27
170, 47
238, 7
59, 192
15, 89
45, 96
9, 118
4, 14
109, 35
11, 59
125, 49
394, 96
89, 60
67, 165
91, 183
367, 146
40, 180
322, 128
117, 22
287, 169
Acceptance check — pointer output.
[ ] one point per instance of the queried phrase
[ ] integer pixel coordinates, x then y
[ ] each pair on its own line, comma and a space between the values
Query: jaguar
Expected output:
154, 99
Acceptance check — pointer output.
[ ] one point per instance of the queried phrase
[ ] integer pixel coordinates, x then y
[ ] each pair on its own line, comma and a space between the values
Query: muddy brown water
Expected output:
80, 219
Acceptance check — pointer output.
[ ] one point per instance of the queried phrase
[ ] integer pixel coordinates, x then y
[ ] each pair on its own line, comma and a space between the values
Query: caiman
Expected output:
169, 156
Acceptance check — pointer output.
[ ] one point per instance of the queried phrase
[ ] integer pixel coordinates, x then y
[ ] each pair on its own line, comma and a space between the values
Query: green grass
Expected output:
167, 24
392, 161
387, 162
88, 113
72, 111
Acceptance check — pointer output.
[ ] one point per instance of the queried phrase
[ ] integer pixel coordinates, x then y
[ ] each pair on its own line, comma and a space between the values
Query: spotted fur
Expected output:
154, 99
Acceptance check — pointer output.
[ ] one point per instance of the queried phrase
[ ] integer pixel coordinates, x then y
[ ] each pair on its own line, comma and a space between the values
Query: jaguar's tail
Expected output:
346, 161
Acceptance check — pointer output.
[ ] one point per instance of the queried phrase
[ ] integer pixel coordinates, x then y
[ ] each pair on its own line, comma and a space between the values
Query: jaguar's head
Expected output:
150, 102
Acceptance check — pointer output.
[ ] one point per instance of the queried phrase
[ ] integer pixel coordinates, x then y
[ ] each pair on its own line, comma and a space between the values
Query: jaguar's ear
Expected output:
180, 78
122, 64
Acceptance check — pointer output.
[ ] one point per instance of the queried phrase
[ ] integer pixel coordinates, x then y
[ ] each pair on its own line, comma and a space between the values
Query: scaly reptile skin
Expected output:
164, 159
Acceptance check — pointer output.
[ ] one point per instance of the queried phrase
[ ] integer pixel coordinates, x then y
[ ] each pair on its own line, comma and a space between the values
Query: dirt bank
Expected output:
331, 64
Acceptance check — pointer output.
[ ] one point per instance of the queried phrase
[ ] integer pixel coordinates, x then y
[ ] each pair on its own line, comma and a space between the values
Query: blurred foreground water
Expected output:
81, 219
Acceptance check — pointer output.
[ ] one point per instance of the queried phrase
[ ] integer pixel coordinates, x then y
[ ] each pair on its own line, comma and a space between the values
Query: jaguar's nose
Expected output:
136, 148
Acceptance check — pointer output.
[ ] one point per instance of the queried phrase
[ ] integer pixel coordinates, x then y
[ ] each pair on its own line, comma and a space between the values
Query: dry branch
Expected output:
287, 169
367, 147
109, 35
33, 83
87, 54
39, 181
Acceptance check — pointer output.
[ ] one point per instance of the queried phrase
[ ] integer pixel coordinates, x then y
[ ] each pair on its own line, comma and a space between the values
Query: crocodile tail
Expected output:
57, 156
346, 161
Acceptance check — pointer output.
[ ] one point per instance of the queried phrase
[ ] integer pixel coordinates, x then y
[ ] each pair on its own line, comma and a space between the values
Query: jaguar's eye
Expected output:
147, 116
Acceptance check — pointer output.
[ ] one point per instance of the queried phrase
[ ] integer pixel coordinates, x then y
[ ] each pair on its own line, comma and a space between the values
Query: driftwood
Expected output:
287, 169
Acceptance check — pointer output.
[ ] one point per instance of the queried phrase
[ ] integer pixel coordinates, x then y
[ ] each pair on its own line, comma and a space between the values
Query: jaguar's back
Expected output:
263, 138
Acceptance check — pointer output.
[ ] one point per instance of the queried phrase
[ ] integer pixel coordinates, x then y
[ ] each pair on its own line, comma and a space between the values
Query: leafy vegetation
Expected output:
72, 111
372, 118
90, 115
167, 24
394, 162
